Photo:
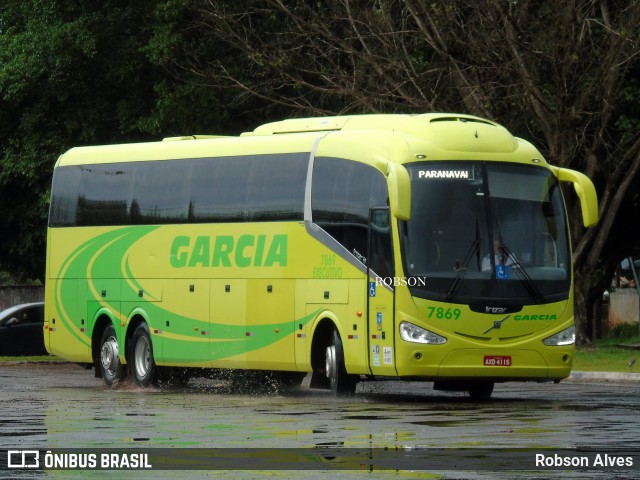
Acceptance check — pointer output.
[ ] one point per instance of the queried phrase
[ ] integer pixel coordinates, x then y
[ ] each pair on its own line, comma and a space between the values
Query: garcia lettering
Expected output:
536, 317
228, 251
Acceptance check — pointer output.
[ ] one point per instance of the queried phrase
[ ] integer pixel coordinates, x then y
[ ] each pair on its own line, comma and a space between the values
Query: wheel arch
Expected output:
321, 333
101, 321
321, 338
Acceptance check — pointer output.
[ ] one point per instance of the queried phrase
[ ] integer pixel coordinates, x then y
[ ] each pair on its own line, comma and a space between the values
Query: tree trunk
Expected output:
581, 309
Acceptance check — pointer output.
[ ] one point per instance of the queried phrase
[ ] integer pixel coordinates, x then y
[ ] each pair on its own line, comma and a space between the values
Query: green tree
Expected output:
78, 73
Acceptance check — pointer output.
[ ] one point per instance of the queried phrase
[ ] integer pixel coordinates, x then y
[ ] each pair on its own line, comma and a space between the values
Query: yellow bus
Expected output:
426, 247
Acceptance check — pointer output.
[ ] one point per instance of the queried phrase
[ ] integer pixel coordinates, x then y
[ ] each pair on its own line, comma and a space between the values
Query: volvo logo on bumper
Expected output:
497, 324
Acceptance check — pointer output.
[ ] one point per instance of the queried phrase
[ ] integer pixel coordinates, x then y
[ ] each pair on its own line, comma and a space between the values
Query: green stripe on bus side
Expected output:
133, 281
99, 258
75, 268
230, 340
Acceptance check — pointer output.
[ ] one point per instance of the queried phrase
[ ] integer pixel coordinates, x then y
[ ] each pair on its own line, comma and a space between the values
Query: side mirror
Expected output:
399, 184
586, 193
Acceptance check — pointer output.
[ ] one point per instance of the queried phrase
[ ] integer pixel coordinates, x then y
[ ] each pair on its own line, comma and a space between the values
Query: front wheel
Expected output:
112, 368
340, 382
143, 367
481, 390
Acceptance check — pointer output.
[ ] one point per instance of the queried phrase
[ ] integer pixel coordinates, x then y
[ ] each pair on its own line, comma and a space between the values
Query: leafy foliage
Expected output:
78, 73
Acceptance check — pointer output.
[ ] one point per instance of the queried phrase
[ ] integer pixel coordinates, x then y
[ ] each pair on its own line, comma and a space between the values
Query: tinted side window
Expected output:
64, 197
105, 190
253, 188
342, 193
33, 315
276, 189
219, 189
161, 192
225, 189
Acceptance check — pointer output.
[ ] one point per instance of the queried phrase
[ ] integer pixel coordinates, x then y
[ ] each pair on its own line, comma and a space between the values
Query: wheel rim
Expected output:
330, 365
142, 357
109, 356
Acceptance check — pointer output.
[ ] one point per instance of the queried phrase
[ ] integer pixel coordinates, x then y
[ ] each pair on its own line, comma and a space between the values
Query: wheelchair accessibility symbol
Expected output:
502, 272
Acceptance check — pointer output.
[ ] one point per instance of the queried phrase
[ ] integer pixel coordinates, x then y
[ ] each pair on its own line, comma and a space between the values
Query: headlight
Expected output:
565, 337
412, 333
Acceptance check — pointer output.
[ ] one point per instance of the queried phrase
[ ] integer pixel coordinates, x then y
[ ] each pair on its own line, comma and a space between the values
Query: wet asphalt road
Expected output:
49, 406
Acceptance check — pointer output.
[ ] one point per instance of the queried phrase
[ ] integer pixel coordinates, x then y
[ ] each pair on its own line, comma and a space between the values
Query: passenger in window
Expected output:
501, 257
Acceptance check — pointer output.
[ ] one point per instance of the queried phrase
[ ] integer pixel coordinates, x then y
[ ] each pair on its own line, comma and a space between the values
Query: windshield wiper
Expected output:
526, 280
529, 284
461, 270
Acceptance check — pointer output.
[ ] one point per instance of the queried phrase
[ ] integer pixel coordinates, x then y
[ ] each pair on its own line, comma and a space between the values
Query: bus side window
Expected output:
380, 248
161, 192
343, 192
254, 188
104, 193
65, 196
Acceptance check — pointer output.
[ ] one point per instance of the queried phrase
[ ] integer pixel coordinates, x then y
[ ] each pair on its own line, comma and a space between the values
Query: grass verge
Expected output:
609, 355
34, 359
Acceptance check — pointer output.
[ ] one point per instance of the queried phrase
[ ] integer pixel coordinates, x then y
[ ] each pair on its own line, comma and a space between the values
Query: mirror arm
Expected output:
399, 185
586, 193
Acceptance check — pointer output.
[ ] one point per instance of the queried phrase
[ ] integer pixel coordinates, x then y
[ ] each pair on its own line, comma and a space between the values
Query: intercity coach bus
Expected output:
427, 247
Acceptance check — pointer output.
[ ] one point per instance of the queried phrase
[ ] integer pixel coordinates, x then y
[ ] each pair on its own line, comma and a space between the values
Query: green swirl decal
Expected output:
106, 258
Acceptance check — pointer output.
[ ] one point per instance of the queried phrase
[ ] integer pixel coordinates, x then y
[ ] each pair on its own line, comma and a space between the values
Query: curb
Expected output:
585, 377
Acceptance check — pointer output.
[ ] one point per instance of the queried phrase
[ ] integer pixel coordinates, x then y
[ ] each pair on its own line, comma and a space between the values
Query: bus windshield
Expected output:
486, 233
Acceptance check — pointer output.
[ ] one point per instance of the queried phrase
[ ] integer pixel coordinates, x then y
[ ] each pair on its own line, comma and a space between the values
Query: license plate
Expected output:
497, 361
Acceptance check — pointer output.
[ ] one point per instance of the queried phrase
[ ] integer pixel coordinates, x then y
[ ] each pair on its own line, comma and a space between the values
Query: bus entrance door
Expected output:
380, 301
381, 329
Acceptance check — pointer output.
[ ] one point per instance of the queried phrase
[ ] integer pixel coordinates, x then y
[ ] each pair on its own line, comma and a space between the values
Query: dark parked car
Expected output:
21, 330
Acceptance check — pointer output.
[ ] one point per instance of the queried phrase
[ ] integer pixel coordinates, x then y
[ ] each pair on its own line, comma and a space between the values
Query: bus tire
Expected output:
340, 382
110, 365
481, 390
143, 367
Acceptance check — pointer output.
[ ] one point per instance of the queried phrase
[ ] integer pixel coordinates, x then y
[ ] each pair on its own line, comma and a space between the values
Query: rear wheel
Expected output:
143, 367
340, 382
112, 368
